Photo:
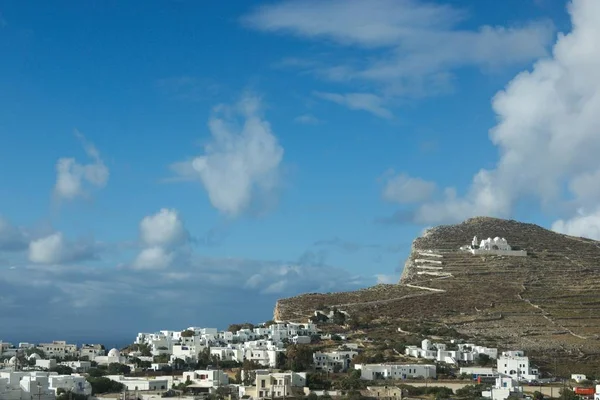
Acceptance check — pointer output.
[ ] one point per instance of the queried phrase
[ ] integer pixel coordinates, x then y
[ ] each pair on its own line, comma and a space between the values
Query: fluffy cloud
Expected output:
240, 162
404, 47
359, 101
401, 188
55, 249
163, 234
165, 228
155, 257
11, 237
72, 177
547, 137
584, 225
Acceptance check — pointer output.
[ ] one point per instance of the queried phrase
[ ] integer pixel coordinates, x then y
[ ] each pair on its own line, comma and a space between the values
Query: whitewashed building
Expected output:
91, 351
438, 351
516, 365
20, 385
113, 356
46, 364
268, 385
206, 378
504, 388
78, 366
76, 384
58, 349
372, 372
141, 384
333, 361
578, 378
479, 372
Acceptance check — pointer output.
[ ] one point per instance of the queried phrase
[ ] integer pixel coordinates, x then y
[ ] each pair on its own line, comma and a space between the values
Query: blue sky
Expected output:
187, 163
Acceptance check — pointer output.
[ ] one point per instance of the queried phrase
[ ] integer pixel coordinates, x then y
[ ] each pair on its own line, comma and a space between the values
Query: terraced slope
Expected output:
547, 303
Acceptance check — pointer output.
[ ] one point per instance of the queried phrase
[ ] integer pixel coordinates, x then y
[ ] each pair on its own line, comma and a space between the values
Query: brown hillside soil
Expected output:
547, 303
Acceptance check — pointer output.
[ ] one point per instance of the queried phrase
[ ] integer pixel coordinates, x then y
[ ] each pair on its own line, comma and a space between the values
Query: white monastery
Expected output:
495, 246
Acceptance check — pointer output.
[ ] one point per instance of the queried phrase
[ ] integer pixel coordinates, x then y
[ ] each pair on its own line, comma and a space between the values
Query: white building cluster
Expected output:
57, 349
466, 352
261, 344
333, 361
372, 372
18, 385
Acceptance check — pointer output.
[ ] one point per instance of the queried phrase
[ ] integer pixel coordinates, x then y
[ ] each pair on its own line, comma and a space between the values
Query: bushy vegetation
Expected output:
104, 385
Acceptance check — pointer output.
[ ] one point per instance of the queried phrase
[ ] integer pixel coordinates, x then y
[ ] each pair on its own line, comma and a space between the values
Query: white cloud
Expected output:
307, 119
240, 162
55, 249
165, 228
583, 225
163, 234
403, 46
155, 257
11, 237
72, 177
401, 188
547, 135
359, 101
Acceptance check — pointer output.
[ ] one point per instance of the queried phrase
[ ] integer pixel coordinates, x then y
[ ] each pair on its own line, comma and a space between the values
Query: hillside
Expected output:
547, 303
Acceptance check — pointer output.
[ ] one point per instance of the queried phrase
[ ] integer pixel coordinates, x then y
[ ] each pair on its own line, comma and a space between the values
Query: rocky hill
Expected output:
547, 303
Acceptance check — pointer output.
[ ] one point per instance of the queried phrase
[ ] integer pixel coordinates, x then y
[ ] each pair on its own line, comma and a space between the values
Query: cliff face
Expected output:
546, 301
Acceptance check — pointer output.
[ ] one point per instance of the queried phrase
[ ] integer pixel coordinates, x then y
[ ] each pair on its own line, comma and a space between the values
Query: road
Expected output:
551, 391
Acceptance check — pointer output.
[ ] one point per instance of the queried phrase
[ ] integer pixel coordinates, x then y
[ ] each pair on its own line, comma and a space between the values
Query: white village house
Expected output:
438, 351
333, 361
372, 372
516, 365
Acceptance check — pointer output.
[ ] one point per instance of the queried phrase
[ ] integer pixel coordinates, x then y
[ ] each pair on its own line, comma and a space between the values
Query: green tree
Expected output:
538, 395
35, 350
280, 360
351, 381
161, 358
299, 357
118, 369
339, 318
105, 385
178, 363
96, 372
187, 333
62, 370
484, 360
470, 391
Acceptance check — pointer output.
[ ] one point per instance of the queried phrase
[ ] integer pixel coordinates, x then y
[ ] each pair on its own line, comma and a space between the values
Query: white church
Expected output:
495, 246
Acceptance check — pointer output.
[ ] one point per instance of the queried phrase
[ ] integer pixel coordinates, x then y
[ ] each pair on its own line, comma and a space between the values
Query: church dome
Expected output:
114, 353
34, 356
13, 360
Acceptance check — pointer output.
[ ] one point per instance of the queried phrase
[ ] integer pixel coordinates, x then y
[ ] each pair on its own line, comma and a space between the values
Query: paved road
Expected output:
550, 391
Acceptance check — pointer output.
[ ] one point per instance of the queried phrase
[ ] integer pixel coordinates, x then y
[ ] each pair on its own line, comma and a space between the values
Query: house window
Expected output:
262, 383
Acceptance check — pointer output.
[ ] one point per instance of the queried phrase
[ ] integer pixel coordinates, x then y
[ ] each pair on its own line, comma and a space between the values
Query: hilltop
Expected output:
547, 303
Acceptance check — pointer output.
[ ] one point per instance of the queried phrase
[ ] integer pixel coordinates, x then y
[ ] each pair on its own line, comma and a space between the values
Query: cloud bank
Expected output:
547, 138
